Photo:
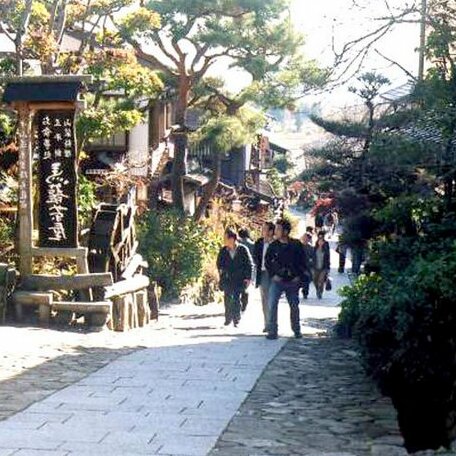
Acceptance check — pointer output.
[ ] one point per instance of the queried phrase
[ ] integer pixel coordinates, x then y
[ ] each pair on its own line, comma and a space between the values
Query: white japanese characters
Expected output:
56, 146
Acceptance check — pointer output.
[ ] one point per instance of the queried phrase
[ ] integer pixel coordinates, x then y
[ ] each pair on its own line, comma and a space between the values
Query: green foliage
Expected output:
7, 67
109, 117
254, 36
345, 128
176, 249
6, 232
356, 298
113, 65
86, 200
8, 189
404, 320
371, 84
118, 70
277, 183
228, 132
283, 164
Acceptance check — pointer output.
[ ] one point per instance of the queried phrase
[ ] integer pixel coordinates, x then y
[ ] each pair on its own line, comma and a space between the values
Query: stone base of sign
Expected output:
96, 314
121, 306
43, 301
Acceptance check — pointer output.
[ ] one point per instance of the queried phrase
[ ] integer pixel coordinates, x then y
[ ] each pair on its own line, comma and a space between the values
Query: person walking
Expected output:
319, 221
321, 264
307, 277
285, 263
235, 267
246, 241
263, 280
357, 253
341, 249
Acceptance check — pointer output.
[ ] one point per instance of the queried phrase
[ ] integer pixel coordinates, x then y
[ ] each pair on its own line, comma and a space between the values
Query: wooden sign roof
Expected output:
44, 88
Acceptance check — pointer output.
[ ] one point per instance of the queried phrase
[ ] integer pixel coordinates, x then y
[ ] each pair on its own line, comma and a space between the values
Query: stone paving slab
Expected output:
173, 399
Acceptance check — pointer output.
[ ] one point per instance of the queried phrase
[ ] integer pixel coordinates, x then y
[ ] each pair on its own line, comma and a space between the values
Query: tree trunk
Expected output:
21, 32
211, 187
180, 145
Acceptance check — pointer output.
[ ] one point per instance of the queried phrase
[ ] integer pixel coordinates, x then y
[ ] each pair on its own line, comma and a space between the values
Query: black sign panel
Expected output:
58, 225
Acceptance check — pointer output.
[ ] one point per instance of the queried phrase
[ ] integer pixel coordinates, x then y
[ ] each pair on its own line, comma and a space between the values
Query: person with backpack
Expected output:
285, 263
235, 267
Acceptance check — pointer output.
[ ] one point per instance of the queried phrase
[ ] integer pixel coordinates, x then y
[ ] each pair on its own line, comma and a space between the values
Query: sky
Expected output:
321, 20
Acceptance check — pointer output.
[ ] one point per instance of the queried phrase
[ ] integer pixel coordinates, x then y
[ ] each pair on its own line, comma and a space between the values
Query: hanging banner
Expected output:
58, 226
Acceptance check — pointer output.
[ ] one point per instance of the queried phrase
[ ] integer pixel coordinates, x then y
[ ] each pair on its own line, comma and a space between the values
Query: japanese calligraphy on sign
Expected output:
57, 179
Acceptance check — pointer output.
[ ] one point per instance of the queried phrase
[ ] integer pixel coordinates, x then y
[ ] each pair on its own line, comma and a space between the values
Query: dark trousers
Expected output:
244, 300
232, 306
291, 290
342, 260
306, 285
357, 260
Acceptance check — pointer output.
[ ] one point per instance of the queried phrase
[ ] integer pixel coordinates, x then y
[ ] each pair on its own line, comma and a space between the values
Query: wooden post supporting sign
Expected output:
25, 188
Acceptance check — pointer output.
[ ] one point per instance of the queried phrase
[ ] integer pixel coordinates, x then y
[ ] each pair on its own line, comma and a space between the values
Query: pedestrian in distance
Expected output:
328, 222
285, 265
321, 264
246, 241
341, 249
263, 280
235, 267
319, 221
308, 259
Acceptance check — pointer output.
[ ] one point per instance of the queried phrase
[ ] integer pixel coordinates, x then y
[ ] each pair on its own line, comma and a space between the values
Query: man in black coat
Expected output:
234, 264
263, 281
285, 263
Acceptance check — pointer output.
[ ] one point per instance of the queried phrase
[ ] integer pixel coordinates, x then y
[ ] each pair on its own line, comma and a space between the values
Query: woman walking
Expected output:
263, 281
321, 264
235, 266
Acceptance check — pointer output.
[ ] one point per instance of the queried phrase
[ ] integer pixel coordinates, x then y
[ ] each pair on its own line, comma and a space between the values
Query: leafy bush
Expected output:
405, 323
176, 249
6, 232
277, 183
86, 200
283, 164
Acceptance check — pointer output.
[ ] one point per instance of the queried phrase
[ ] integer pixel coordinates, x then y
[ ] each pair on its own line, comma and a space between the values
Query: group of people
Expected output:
278, 264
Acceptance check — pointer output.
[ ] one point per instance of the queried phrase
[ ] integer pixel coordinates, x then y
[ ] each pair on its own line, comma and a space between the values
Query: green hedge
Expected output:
404, 319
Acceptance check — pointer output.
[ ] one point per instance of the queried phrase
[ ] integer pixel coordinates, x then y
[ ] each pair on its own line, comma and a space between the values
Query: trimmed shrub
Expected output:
176, 249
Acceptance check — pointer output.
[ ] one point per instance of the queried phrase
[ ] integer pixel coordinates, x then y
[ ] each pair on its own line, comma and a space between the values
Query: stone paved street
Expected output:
188, 383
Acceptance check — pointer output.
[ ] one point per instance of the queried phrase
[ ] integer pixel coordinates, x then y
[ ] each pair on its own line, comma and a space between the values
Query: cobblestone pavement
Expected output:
314, 399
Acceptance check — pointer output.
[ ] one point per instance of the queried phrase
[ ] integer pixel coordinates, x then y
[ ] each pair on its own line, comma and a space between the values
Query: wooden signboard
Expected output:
49, 104
57, 179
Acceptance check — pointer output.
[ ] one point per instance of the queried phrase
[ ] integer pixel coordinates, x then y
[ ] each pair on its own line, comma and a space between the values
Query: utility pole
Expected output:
422, 40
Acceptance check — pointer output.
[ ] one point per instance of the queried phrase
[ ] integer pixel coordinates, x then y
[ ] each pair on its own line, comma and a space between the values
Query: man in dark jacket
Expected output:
234, 264
285, 263
263, 281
